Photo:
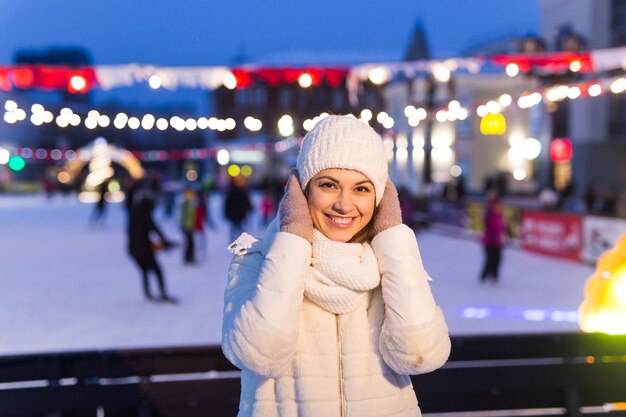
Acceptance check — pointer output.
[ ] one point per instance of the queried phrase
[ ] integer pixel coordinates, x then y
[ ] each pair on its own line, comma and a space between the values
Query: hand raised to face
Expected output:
389, 213
293, 210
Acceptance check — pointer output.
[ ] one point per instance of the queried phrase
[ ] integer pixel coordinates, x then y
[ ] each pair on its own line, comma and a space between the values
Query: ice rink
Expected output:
69, 285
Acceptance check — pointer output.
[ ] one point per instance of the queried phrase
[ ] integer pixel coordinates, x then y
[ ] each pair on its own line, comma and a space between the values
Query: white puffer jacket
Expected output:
298, 359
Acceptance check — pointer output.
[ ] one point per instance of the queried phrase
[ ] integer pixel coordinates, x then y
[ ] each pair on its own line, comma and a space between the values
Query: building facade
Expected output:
596, 127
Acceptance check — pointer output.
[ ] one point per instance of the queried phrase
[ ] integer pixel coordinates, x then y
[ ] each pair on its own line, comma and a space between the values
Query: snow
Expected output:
66, 285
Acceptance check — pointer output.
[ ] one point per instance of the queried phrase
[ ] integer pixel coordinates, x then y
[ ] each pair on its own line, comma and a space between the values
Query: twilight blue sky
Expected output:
188, 32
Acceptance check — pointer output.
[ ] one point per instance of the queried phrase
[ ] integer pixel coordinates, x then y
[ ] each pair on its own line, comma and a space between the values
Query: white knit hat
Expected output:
344, 142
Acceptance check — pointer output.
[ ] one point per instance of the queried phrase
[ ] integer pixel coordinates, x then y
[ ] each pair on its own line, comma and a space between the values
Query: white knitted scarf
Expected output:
341, 274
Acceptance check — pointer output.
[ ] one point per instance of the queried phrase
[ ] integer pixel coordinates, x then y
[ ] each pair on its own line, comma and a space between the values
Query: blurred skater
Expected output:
494, 229
188, 210
141, 245
98, 215
237, 206
267, 207
201, 219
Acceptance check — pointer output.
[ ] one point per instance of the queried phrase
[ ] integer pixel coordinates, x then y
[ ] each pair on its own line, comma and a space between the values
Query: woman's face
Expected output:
341, 203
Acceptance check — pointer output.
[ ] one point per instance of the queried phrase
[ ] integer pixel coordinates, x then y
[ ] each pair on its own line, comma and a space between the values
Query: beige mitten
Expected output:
293, 210
389, 213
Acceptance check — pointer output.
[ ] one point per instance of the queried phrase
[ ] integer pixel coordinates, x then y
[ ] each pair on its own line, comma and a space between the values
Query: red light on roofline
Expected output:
77, 84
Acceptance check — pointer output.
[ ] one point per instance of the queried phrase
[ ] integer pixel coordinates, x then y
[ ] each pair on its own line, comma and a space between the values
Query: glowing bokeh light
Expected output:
203, 123
366, 115
512, 69
493, 107
229, 81
285, 125
234, 170
575, 66
78, 83
104, 121
505, 100
191, 124
134, 123
63, 177
573, 93
162, 124
74, 120
62, 121
531, 148
4, 156
192, 175
48, 117
91, 123
441, 72
519, 174
223, 156
246, 170
594, 90
147, 122
16, 163
604, 306
154, 81
618, 86
251, 123
10, 105
20, 114
305, 80
493, 124
379, 75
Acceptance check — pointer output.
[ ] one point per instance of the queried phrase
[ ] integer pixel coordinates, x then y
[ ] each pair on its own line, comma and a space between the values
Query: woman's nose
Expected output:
343, 203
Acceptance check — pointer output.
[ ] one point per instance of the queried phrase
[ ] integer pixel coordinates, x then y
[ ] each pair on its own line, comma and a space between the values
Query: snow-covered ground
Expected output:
66, 285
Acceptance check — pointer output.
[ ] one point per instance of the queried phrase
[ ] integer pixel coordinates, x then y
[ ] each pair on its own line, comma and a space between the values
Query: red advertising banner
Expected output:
555, 234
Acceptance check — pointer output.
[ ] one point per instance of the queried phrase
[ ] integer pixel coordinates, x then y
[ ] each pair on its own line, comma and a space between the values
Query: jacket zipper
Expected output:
339, 367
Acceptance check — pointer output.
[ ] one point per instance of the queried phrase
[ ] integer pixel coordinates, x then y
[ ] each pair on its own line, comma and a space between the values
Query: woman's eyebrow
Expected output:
327, 177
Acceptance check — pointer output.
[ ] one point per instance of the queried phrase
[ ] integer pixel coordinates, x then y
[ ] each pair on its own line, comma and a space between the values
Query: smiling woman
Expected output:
341, 203
332, 310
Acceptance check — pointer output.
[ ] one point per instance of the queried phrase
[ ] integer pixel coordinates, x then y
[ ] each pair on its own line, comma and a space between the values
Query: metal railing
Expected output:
500, 375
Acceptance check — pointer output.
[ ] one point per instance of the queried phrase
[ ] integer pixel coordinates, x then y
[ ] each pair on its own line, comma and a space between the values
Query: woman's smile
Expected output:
342, 222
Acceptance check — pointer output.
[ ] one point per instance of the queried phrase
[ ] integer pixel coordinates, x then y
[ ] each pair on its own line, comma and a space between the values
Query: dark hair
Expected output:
366, 234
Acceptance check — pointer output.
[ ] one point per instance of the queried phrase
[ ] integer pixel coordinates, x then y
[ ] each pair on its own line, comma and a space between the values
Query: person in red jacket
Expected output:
494, 229
201, 218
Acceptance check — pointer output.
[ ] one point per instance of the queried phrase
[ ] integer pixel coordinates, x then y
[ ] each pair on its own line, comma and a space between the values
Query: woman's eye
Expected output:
363, 189
327, 185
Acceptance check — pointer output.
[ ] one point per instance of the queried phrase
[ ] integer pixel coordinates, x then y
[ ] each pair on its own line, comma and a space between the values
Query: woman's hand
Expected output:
389, 213
293, 210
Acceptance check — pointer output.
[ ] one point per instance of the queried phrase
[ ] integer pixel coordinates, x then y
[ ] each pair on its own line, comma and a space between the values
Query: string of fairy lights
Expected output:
452, 111
38, 115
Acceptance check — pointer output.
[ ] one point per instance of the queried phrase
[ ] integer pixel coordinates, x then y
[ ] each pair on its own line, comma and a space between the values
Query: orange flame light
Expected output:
604, 307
